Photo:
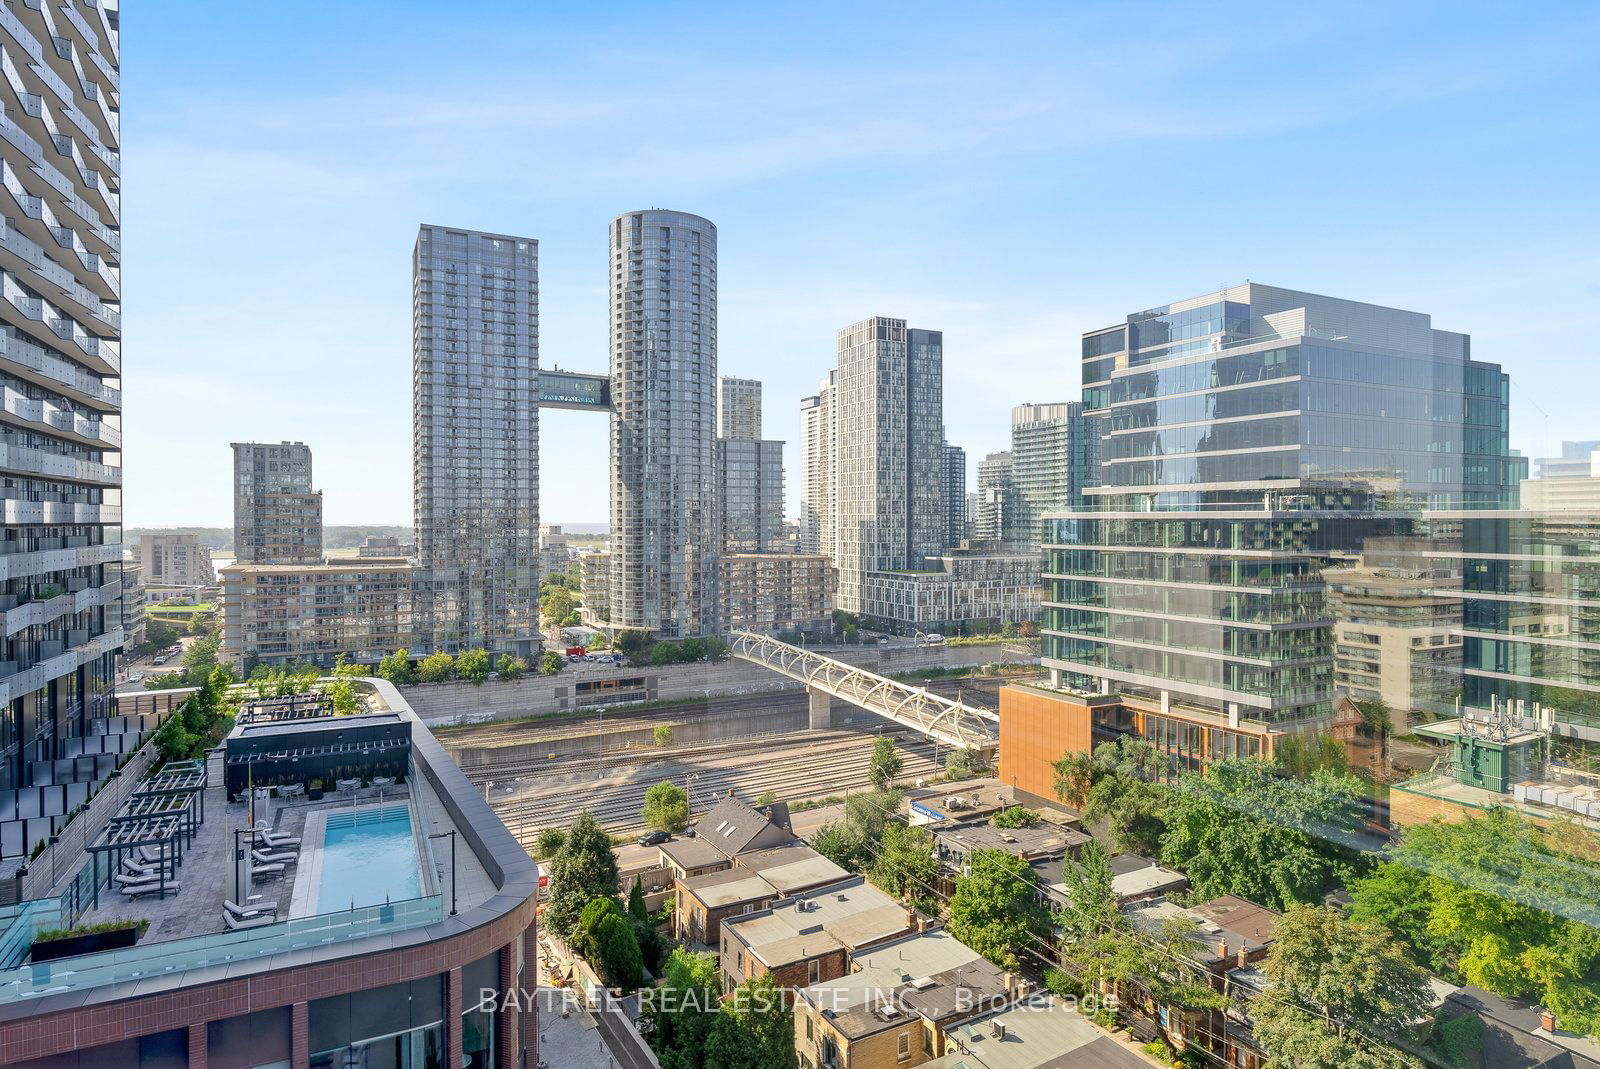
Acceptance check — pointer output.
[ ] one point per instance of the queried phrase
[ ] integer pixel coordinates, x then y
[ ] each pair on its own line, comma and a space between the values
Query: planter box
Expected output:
314, 794
117, 939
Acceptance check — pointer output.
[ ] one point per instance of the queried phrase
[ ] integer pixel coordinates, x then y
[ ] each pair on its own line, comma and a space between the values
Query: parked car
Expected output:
655, 838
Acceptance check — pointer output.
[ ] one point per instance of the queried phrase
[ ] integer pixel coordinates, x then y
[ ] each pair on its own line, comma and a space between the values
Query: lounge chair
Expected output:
127, 879
151, 857
238, 923
288, 857
274, 840
131, 867
266, 871
135, 890
246, 912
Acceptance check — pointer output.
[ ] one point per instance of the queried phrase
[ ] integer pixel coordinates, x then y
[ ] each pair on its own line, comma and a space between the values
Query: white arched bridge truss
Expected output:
952, 722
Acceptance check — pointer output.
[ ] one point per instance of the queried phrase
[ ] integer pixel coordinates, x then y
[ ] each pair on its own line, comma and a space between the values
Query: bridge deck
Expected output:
952, 722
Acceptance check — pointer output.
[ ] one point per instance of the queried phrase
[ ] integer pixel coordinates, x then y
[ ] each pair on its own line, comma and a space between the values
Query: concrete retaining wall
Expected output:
444, 703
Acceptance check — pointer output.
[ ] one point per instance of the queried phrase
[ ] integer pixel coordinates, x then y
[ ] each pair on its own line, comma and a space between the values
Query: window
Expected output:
905, 1046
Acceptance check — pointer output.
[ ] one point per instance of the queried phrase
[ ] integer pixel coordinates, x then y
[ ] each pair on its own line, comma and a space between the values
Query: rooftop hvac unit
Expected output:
997, 1029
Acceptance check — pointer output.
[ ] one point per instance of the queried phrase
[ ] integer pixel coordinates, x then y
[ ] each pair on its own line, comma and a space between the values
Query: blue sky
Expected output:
1011, 174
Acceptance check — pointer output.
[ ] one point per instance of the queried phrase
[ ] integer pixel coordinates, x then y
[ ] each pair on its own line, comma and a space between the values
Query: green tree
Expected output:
582, 870
662, 735
993, 910
1245, 830
551, 663
159, 635
1301, 755
1016, 816
617, 952
199, 659
473, 666
549, 842
1505, 902
1074, 777
585, 932
841, 844
964, 764
436, 668
666, 807
885, 765
172, 741
684, 1009
343, 694
509, 667
1323, 966
1126, 797
753, 1029
345, 668
905, 866
1399, 898
636, 908
396, 668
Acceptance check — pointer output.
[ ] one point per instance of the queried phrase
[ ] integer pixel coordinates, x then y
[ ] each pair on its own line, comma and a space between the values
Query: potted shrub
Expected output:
56, 943
314, 789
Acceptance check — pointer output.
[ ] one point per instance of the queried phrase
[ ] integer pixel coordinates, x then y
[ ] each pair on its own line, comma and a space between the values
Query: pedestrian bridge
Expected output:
951, 722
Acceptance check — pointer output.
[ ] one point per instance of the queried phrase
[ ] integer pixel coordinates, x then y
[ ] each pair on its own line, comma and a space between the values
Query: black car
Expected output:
654, 838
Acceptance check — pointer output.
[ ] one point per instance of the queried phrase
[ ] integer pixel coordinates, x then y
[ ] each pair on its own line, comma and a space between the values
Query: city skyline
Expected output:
1002, 122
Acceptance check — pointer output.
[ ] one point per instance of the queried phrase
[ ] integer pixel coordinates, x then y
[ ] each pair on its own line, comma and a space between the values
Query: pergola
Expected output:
289, 707
125, 834
181, 778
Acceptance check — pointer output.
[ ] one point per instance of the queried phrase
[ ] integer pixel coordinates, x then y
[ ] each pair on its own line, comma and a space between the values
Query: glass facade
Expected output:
1247, 443
60, 381
400, 1026
664, 522
475, 440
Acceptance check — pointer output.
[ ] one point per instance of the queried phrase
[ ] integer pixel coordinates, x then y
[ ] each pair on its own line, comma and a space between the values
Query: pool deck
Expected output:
203, 876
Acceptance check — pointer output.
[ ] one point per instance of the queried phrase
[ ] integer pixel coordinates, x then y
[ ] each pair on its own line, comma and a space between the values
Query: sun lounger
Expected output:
153, 888
244, 912
239, 923
286, 858
274, 840
151, 856
265, 871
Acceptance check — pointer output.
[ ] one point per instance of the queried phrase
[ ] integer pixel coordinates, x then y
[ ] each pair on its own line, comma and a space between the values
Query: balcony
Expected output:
56, 465
33, 362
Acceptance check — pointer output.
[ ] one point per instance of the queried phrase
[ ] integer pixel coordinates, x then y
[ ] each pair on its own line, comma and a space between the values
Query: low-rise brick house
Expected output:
809, 938
754, 881
1231, 934
894, 1009
740, 859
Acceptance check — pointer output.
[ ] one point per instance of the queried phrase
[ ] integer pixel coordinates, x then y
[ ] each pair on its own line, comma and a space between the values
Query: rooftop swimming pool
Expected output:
368, 857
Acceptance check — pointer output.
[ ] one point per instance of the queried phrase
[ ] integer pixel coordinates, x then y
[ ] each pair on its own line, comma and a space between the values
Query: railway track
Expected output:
980, 692
795, 767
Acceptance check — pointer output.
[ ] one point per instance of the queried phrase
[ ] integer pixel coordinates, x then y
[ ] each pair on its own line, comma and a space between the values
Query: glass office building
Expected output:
1247, 439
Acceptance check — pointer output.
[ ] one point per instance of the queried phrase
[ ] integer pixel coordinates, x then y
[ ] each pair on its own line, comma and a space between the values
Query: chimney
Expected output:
1222, 948
911, 919
1244, 957
1547, 1021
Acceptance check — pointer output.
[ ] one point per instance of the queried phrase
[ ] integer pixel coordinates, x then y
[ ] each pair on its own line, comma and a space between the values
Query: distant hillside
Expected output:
222, 537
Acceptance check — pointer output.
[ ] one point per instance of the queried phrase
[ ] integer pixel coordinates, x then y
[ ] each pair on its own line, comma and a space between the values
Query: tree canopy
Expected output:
683, 1009
1494, 901
994, 910
1126, 796
885, 765
1243, 828
1342, 992
666, 807
753, 1029
581, 871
